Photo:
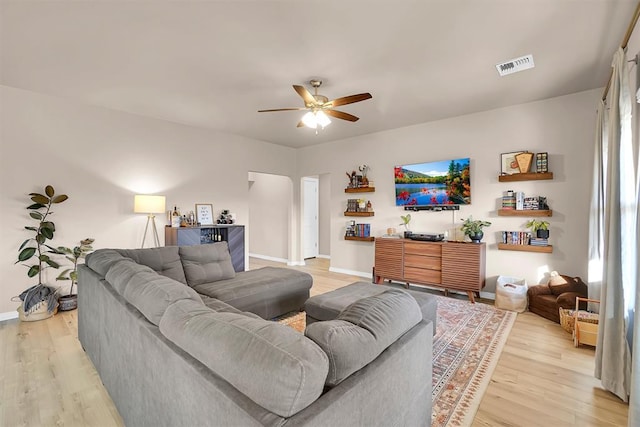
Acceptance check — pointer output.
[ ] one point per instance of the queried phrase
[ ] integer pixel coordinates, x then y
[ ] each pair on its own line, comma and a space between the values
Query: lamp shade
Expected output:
149, 204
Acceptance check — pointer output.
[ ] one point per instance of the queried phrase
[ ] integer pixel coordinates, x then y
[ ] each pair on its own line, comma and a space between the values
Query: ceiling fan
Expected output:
319, 106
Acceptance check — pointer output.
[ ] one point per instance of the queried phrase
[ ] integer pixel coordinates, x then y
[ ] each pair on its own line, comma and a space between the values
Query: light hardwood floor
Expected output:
541, 379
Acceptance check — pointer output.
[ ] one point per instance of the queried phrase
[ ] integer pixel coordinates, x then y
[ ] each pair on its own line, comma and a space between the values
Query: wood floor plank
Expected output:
540, 380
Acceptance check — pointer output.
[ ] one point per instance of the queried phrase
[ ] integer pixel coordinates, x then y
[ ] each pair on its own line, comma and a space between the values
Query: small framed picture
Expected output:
508, 163
204, 214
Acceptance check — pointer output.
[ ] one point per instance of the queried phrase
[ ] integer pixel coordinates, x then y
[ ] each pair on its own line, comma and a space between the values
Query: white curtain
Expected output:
634, 398
596, 212
617, 296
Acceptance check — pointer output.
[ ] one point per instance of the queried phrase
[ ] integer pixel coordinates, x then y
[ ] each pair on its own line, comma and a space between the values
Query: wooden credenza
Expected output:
188, 236
449, 265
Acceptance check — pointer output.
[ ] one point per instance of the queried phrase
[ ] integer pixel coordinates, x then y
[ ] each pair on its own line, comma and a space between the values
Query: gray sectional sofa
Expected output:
171, 355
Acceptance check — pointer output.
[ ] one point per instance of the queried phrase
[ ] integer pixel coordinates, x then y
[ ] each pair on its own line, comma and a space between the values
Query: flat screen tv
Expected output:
434, 183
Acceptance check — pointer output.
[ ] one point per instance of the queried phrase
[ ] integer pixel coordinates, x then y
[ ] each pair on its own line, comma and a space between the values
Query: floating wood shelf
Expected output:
360, 190
529, 176
360, 239
526, 212
525, 248
347, 213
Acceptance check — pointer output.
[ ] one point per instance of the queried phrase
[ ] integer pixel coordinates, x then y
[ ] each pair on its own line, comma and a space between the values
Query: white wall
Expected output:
101, 158
563, 127
270, 199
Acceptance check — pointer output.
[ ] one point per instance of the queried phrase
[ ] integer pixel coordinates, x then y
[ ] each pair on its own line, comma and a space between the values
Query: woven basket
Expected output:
39, 312
567, 319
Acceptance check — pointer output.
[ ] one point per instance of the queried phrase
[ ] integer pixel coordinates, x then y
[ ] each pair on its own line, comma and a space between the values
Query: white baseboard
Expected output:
350, 272
324, 256
269, 258
8, 316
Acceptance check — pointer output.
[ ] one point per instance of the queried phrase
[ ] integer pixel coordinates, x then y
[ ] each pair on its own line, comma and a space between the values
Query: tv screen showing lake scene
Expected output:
434, 183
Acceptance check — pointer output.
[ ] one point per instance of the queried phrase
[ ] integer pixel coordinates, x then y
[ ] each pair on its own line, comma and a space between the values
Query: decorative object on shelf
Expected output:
150, 205
204, 214
509, 164
542, 162
39, 301
226, 217
70, 301
524, 161
357, 230
473, 228
175, 217
406, 220
364, 169
539, 227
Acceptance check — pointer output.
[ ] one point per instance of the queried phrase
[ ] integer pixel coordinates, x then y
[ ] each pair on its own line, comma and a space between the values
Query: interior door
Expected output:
310, 224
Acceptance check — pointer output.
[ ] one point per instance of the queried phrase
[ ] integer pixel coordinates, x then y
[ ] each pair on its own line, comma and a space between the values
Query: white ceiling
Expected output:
213, 64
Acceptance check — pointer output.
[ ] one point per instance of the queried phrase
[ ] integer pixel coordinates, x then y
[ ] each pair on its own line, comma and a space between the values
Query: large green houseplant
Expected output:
73, 255
473, 228
34, 253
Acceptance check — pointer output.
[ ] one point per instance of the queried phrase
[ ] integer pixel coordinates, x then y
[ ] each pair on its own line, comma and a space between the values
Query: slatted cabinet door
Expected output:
388, 259
463, 266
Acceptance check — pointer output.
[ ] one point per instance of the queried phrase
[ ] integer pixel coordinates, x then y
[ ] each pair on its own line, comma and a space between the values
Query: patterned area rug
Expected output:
466, 349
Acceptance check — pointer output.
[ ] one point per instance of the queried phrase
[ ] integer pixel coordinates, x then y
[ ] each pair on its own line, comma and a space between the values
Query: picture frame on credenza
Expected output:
204, 214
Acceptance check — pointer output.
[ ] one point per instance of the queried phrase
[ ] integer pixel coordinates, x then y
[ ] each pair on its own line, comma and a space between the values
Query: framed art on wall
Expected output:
508, 163
204, 214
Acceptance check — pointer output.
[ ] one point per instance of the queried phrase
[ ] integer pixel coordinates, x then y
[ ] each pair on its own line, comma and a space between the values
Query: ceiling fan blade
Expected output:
281, 109
349, 99
342, 115
309, 100
300, 124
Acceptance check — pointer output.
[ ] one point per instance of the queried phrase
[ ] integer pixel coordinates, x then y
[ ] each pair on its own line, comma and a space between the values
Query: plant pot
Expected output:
542, 234
476, 238
68, 302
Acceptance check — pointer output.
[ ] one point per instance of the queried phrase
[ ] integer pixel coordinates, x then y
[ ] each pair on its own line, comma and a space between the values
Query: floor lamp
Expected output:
150, 205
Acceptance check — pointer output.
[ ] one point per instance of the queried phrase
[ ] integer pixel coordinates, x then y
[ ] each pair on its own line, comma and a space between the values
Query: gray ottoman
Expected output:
328, 306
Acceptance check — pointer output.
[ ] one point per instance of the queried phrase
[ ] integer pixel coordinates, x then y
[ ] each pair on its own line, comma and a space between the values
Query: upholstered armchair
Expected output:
561, 291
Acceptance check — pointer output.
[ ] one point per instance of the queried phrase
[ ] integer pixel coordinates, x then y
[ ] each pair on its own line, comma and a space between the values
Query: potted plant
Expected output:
540, 228
473, 228
70, 301
36, 297
406, 219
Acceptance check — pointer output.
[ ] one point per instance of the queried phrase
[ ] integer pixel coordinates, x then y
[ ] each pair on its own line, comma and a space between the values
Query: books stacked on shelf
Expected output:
539, 242
516, 237
509, 200
531, 203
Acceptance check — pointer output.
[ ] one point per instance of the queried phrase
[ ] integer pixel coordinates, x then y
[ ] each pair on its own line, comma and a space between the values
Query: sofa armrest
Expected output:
568, 300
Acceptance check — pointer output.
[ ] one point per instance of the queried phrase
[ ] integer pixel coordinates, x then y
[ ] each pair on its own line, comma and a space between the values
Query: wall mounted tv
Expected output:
433, 184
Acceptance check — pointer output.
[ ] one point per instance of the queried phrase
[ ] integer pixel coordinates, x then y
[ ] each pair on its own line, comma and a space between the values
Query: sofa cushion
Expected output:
275, 366
222, 307
267, 292
101, 260
363, 331
559, 284
206, 263
164, 260
147, 290
120, 273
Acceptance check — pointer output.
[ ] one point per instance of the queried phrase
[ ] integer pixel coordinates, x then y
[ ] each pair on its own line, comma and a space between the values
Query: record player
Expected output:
426, 237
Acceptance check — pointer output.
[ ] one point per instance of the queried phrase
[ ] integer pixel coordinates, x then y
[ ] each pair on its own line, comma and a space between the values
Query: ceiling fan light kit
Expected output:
320, 108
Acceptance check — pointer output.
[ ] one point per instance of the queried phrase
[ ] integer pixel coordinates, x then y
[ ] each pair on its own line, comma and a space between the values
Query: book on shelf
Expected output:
539, 242
516, 237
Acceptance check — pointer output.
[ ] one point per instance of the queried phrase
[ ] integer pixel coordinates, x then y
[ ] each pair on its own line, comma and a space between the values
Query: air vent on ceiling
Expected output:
515, 65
